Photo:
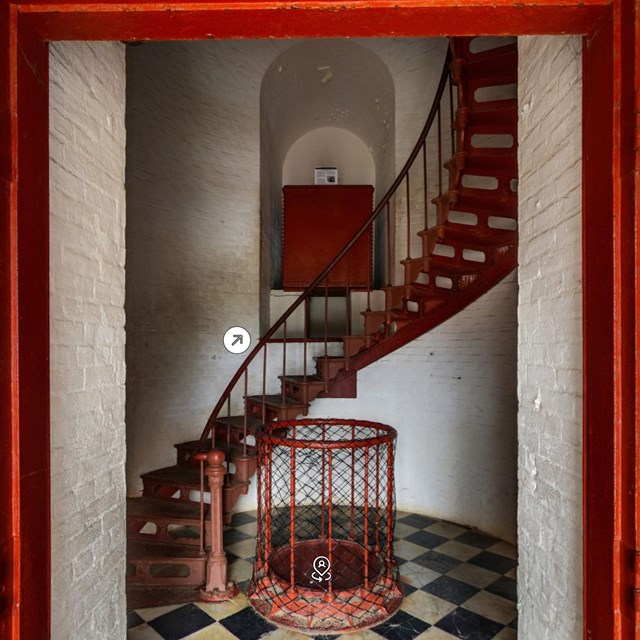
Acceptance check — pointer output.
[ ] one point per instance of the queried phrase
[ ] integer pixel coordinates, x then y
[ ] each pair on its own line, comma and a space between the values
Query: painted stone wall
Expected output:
87, 142
550, 339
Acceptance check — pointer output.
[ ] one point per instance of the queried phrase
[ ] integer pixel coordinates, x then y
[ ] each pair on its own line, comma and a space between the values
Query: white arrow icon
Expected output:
237, 340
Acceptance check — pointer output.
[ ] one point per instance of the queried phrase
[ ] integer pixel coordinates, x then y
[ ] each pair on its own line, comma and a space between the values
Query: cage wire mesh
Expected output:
326, 511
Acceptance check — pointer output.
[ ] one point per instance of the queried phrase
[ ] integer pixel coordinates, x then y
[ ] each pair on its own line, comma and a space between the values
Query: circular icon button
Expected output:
237, 340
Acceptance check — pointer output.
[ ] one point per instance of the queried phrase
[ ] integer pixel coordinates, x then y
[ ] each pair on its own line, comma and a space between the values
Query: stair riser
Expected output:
166, 491
394, 296
501, 121
162, 534
304, 392
500, 69
352, 345
374, 322
328, 369
245, 467
144, 570
230, 495
413, 268
275, 413
483, 207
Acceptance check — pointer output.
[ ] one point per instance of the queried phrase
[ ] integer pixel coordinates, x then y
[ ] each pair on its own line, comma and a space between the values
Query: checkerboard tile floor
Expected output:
457, 583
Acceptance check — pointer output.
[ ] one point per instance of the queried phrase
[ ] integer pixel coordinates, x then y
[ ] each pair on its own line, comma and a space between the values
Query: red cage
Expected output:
326, 511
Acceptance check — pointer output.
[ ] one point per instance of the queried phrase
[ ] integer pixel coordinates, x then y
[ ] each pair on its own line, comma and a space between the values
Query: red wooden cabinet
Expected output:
318, 221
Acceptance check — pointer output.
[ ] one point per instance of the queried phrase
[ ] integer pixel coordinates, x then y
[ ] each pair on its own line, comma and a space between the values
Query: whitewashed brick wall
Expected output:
193, 233
451, 394
550, 339
87, 139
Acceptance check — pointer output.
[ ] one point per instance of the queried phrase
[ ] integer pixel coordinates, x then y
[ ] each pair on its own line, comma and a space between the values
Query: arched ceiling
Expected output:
328, 83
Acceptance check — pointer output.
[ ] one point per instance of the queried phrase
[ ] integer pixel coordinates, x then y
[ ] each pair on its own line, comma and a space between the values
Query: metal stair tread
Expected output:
472, 239
166, 509
162, 551
498, 62
439, 265
424, 292
482, 109
186, 476
490, 153
275, 400
490, 202
510, 47
374, 314
229, 449
487, 196
177, 475
237, 422
300, 379
336, 358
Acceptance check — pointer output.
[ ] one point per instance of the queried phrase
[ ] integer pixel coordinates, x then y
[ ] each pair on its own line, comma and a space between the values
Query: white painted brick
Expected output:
87, 137
550, 340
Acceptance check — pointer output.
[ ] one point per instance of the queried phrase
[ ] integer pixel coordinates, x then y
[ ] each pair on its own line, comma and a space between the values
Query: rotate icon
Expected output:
321, 566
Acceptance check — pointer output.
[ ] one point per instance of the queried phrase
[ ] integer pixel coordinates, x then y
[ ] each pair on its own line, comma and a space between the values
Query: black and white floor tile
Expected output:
458, 585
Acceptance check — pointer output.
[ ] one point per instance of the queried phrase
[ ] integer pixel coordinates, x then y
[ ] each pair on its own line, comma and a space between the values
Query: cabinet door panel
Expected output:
318, 221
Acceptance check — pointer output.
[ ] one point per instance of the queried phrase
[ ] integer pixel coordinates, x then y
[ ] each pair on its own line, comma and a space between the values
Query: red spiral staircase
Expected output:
467, 243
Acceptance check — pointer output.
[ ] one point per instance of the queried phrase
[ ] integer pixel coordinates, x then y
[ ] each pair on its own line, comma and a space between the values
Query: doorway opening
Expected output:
180, 286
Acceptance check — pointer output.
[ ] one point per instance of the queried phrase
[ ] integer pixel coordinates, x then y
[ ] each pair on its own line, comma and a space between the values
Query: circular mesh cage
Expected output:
326, 510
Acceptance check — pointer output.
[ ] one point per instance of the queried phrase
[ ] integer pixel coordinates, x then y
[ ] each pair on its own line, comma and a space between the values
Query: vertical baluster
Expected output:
268, 501
369, 268
326, 315
202, 527
352, 533
388, 245
347, 304
244, 422
229, 429
408, 219
216, 579
376, 547
322, 484
439, 153
261, 505
306, 337
451, 118
346, 300
284, 360
330, 520
264, 384
366, 518
424, 182
389, 503
292, 519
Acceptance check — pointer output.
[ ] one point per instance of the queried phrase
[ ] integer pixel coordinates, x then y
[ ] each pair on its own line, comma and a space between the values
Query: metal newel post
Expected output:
216, 588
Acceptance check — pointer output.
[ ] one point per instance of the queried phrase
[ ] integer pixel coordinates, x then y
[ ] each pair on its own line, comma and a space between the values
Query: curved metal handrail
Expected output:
314, 285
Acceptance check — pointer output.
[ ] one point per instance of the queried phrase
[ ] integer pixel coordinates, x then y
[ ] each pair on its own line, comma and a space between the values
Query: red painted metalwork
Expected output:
317, 480
610, 189
216, 588
321, 278
318, 220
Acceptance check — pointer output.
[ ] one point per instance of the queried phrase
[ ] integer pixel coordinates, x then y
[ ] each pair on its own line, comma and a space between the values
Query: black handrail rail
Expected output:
308, 291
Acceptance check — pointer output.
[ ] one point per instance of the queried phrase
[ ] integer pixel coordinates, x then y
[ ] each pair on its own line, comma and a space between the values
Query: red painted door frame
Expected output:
610, 225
